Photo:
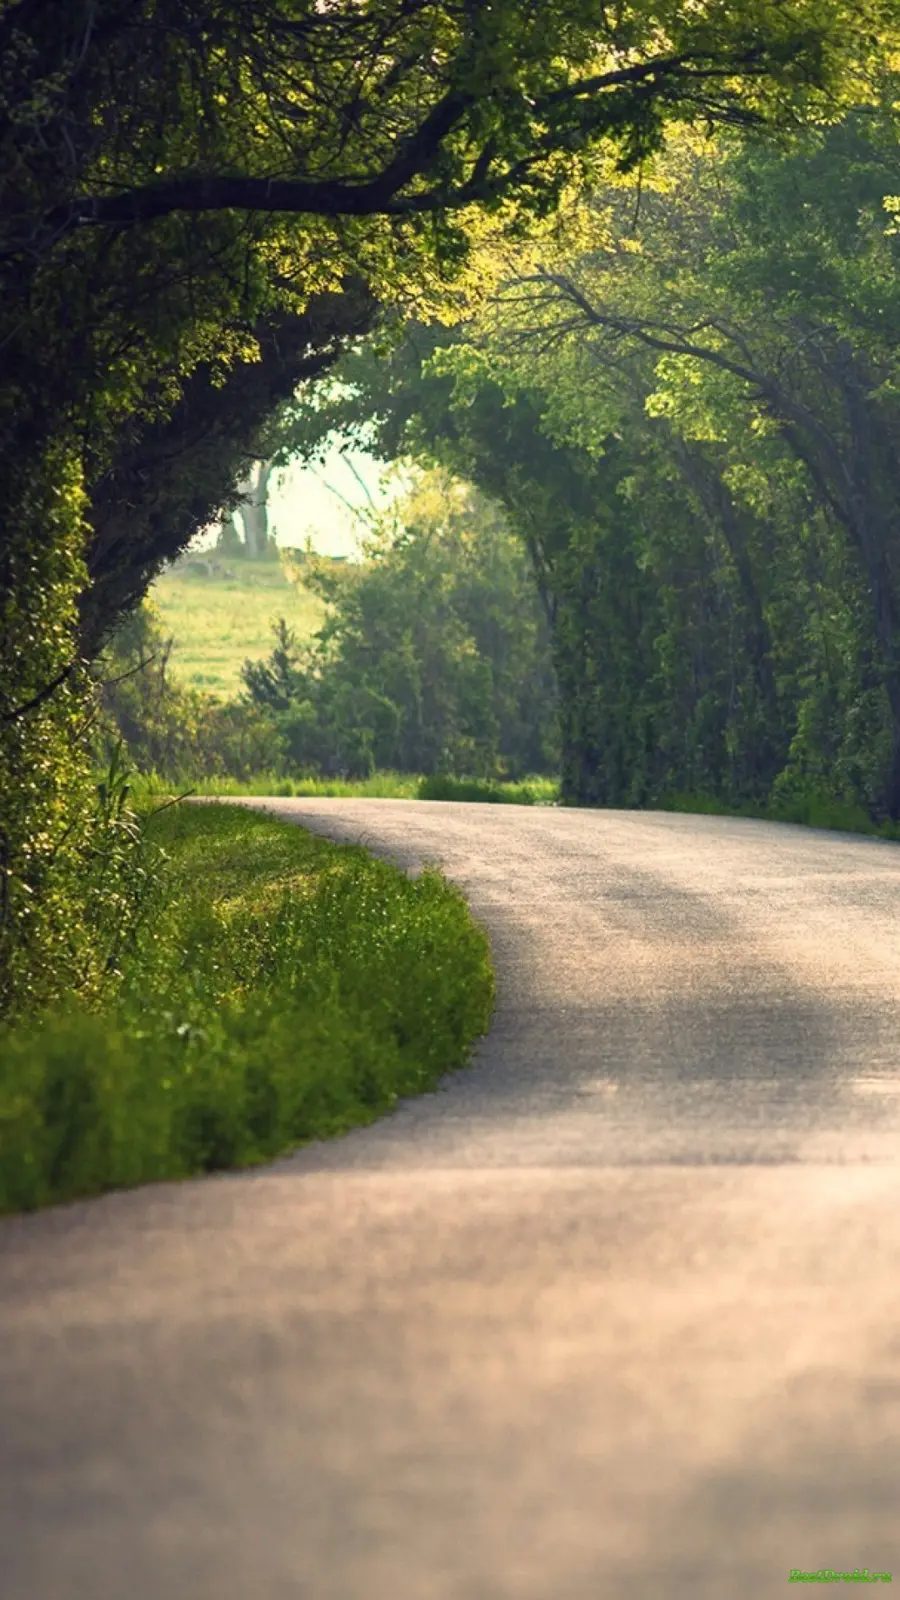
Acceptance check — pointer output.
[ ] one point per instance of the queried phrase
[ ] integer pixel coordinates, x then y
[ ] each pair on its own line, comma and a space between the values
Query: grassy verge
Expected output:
287, 989
530, 792
809, 810
381, 786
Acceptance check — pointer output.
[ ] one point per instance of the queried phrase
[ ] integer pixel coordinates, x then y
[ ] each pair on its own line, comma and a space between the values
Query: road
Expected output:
614, 1312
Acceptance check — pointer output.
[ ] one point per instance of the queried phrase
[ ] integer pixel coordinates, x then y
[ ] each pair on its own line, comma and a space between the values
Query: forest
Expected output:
616, 285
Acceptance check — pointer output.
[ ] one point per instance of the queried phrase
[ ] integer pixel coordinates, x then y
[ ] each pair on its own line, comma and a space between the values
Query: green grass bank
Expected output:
284, 989
810, 809
534, 791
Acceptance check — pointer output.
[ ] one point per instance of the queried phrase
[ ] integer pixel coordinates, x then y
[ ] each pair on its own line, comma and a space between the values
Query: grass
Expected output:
811, 810
534, 791
287, 989
220, 622
381, 786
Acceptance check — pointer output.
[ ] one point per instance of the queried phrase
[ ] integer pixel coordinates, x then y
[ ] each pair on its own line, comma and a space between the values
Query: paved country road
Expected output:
615, 1312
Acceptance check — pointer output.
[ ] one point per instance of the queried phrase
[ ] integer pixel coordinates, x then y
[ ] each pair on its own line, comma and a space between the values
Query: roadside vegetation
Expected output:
277, 988
535, 791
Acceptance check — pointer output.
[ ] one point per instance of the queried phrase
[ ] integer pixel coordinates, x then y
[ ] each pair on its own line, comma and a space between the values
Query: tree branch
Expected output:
666, 66
42, 694
381, 194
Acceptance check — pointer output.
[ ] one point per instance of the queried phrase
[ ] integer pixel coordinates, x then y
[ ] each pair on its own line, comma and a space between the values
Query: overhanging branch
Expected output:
666, 78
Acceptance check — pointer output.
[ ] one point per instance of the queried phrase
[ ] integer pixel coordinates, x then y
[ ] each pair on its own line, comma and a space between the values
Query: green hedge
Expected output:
286, 989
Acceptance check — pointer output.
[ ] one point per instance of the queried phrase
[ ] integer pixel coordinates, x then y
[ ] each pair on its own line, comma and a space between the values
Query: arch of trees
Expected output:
202, 203
689, 411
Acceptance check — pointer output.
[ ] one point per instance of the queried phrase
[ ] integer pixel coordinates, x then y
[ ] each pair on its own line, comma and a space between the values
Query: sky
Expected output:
310, 500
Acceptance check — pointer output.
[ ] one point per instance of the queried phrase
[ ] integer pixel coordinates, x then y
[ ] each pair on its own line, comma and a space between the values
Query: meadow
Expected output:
220, 620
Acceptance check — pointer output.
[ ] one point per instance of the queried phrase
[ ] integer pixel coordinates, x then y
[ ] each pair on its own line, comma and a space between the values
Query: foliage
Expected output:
559, 499
749, 328
69, 856
534, 792
181, 733
433, 656
531, 790
688, 411
289, 989
268, 782
176, 254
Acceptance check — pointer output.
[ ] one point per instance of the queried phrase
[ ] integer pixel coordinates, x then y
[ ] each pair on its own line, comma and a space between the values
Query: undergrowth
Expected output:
285, 989
811, 810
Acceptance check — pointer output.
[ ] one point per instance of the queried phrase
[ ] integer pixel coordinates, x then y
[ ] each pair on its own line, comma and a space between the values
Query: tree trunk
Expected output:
255, 511
704, 477
865, 495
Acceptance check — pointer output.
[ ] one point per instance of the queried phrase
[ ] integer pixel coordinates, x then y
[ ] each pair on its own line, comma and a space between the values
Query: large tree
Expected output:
179, 176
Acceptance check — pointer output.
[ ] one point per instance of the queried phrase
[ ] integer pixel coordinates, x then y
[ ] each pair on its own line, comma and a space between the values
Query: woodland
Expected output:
618, 279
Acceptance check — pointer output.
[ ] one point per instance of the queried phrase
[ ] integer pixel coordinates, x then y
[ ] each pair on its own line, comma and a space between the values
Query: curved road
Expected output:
616, 1312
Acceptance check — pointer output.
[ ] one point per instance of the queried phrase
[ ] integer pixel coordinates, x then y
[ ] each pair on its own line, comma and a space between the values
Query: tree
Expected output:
229, 541
784, 319
144, 230
254, 511
564, 505
692, 424
434, 655
170, 478
399, 108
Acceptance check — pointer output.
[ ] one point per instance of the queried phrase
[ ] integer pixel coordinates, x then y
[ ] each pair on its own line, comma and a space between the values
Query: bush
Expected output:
434, 657
288, 989
812, 808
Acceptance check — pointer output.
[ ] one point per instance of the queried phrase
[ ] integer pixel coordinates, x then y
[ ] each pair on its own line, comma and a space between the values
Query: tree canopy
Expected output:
688, 407
182, 183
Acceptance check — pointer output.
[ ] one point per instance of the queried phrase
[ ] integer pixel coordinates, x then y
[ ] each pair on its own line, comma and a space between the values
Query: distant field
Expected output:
218, 622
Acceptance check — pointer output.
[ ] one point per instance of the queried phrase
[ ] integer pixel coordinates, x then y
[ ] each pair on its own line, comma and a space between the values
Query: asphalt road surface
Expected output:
614, 1312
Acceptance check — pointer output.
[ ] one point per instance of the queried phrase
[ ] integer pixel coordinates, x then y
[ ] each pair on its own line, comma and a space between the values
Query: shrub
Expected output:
75, 875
